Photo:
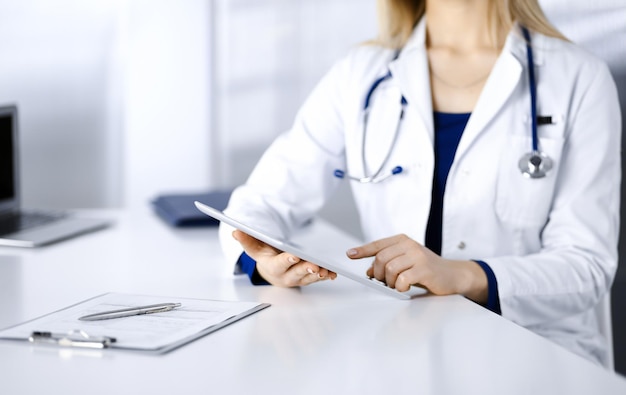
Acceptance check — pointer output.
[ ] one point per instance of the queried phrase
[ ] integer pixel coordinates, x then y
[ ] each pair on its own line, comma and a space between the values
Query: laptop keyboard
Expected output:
17, 221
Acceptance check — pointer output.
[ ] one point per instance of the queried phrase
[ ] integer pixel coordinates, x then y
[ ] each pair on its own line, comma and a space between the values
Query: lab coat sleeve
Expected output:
294, 178
577, 263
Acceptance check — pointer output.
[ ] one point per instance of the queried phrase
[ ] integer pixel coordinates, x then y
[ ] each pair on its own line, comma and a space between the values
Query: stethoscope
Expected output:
376, 177
534, 164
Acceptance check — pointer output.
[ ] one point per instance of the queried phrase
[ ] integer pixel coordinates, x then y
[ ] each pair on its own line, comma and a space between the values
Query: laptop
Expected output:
317, 249
29, 228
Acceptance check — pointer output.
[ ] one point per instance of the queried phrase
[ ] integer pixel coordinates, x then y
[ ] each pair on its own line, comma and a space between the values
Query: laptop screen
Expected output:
7, 156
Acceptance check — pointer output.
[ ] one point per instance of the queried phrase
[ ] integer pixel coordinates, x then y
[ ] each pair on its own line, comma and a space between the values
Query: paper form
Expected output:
142, 332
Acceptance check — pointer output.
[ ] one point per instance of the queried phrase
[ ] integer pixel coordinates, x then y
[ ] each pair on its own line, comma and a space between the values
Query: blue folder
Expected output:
178, 209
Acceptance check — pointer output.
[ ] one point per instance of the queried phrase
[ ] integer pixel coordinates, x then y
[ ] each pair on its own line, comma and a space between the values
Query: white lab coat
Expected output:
551, 242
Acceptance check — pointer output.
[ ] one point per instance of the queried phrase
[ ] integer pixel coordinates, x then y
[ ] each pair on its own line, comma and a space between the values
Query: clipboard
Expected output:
322, 252
157, 333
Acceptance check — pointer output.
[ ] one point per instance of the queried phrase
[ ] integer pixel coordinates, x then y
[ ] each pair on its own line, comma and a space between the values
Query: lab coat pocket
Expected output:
521, 201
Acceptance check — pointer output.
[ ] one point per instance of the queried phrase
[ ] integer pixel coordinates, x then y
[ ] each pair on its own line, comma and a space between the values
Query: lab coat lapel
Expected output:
410, 72
502, 81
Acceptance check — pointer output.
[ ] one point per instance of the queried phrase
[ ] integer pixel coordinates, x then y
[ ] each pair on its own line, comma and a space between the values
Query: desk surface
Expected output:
333, 337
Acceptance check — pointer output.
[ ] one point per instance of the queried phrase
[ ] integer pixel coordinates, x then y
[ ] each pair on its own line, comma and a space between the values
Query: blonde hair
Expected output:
397, 18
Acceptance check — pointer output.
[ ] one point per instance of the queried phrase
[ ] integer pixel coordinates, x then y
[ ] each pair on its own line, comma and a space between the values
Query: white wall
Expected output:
210, 83
167, 136
116, 96
598, 26
269, 54
113, 98
59, 63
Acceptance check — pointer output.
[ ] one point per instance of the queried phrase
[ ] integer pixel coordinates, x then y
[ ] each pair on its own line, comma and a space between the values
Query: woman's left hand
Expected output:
400, 262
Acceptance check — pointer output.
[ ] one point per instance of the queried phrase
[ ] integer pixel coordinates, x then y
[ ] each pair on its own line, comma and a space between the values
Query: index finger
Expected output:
370, 249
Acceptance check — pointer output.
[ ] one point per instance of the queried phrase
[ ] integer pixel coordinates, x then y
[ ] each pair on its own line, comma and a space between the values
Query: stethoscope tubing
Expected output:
533, 89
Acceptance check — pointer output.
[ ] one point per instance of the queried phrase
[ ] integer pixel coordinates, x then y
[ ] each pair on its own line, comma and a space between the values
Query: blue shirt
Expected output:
448, 131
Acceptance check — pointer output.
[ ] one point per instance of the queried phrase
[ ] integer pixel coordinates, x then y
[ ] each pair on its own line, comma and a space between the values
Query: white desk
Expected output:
334, 337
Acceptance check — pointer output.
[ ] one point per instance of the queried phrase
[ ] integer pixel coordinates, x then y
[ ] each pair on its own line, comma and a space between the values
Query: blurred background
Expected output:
123, 100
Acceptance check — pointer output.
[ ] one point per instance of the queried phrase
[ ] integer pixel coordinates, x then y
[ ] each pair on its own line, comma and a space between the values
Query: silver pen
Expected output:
139, 310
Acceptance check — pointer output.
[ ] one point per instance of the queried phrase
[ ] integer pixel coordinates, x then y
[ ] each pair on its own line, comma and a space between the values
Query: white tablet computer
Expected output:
319, 253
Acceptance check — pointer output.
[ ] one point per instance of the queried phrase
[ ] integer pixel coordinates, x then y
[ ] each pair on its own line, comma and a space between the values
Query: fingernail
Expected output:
308, 269
351, 252
292, 259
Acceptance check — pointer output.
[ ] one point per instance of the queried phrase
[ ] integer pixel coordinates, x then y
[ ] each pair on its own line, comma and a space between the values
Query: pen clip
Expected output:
75, 338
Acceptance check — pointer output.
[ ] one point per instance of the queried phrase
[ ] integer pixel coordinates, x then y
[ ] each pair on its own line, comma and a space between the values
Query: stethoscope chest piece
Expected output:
535, 164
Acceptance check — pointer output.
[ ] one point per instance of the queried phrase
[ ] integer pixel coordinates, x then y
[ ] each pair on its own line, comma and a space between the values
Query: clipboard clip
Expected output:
75, 338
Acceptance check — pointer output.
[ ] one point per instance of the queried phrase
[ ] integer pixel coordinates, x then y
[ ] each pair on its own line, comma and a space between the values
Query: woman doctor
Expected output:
483, 152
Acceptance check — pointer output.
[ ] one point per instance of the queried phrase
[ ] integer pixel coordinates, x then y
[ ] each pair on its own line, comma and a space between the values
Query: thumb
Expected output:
249, 243
255, 248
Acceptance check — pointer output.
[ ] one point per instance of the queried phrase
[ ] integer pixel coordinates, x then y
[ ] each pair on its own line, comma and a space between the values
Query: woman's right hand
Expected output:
281, 268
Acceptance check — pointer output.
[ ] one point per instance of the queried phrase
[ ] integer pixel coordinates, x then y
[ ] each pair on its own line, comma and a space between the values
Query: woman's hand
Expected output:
401, 262
280, 268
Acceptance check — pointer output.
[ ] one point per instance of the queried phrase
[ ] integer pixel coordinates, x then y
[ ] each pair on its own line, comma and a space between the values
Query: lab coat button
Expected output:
461, 246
